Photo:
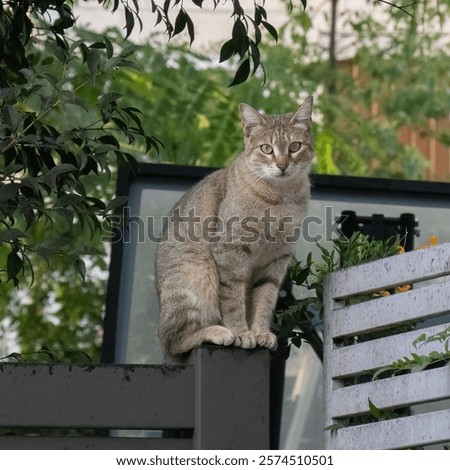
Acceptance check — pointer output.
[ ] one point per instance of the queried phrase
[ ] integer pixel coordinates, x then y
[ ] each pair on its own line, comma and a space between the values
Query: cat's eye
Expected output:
295, 147
266, 148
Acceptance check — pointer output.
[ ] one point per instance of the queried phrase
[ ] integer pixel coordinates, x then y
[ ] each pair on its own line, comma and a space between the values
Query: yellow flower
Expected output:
400, 249
433, 240
404, 288
382, 293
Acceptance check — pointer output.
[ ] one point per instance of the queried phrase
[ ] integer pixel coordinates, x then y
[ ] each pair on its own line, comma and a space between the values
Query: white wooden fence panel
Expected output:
407, 268
383, 312
401, 433
365, 357
344, 362
395, 392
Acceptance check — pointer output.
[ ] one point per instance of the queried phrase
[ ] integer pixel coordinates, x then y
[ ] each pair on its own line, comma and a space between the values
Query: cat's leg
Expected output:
263, 298
233, 277
184, 324
189, 304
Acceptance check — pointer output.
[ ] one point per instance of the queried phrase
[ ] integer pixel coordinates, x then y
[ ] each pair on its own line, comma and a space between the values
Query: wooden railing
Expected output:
219, 400
359, 339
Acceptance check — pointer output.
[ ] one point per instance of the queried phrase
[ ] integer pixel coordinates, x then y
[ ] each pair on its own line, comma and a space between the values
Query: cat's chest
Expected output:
262, 226
260, 212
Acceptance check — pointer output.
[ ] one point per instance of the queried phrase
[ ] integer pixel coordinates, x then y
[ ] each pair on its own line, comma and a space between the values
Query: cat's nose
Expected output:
282, 166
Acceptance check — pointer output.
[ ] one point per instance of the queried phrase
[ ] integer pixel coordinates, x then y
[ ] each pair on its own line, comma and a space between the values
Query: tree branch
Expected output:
400, 7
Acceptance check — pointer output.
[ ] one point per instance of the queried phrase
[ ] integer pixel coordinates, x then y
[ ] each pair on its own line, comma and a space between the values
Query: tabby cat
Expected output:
229, 239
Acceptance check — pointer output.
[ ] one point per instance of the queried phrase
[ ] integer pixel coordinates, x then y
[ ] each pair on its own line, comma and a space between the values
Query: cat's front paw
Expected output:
245, 340
219, 335
267, 340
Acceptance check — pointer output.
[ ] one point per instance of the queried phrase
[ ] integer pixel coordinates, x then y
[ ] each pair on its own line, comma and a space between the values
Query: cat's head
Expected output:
278, 147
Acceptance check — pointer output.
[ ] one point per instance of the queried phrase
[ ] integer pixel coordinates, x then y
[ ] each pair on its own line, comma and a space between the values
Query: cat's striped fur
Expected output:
218, 277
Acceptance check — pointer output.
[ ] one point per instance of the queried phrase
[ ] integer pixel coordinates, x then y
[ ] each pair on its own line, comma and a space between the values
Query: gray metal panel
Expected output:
232, 398
121, 397
88, 443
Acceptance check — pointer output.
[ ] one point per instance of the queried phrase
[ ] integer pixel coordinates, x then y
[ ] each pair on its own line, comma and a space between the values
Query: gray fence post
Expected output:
231, 398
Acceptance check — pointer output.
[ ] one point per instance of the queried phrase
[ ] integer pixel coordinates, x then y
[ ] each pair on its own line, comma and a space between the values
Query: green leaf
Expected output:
109, 47
272, 31
129, 22
191, 30
75, 355
18, 357
46, 250
255, 56
52, 175
48, 352
227, 50
117, 202
14, 265
301, 277
376, 412
333, 427
242, 73
180, 22
239, 37
93, 61
80, 267
382, 370
11, 234
68, 200
130, 50
67, 214
8, 191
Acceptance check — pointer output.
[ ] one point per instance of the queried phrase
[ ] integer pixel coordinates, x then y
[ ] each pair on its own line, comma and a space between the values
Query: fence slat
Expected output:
383, 312
401, 433
50, 396
405, 390
396, 270
364, 357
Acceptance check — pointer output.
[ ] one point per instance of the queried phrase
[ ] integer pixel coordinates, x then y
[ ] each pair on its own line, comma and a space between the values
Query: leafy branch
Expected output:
45, 164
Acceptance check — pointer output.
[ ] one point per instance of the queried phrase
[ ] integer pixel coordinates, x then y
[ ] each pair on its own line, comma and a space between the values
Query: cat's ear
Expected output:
304, 112
249, 116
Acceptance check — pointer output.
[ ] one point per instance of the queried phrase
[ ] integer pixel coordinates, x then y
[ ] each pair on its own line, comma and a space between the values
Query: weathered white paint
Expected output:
401, 433
423, 302
404, 390
383, 312
364, 357
407, 268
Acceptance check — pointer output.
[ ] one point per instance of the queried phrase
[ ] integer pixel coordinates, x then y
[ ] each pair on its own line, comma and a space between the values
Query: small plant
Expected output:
45, 354
419, 362
300, 319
